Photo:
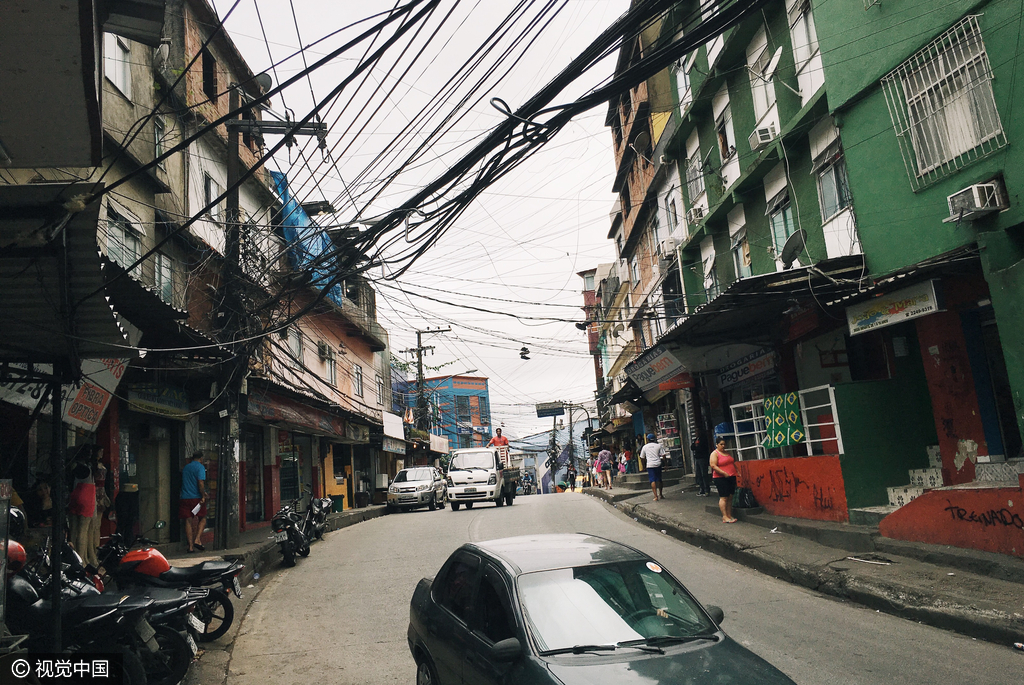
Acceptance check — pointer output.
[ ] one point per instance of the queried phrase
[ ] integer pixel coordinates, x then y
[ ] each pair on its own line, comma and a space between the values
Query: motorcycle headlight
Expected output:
422, 487
493, 479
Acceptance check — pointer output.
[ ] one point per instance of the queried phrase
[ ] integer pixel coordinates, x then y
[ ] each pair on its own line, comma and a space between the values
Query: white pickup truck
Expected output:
481, 474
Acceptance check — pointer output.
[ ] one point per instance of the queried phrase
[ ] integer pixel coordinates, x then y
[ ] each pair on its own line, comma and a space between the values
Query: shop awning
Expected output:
751, 310
630, 392
54, 306
290, 414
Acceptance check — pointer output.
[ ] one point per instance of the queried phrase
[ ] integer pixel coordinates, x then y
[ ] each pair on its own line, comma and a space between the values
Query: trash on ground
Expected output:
950, 574
774, 530
1019, 645
255, 576
882, 562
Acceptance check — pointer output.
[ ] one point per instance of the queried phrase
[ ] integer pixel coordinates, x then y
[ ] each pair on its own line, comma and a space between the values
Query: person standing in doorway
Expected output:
701, 464
724, 468
653, 453
192, 506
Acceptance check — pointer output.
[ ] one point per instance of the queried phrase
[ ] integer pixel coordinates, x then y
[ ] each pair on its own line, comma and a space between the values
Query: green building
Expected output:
842, 281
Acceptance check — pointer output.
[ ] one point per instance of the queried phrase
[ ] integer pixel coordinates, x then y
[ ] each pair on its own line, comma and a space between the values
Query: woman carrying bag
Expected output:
723, 470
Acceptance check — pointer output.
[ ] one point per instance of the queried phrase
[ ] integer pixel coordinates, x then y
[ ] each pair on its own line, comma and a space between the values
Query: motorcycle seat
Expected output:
205, 570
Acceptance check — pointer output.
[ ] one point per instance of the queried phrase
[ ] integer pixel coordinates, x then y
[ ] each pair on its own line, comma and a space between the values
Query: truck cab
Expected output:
481, 474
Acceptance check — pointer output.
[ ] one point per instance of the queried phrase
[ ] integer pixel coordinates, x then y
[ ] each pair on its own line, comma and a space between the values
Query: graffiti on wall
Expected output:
804, 487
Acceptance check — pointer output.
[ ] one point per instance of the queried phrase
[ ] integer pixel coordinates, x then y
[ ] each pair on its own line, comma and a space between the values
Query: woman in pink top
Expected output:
723, 469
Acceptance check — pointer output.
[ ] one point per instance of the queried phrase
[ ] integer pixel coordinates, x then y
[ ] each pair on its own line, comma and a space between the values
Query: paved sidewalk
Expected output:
978, 594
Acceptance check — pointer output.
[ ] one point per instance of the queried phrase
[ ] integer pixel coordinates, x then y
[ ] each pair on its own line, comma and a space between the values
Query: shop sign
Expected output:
680, 381
393, 427
546, 409
160, 399
909, 303
753, 366
84, 404
654, 367
274, 409
394, 446
438, 444
357, 432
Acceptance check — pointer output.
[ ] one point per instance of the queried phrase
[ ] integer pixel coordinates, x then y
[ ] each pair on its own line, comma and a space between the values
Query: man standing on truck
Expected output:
498, 440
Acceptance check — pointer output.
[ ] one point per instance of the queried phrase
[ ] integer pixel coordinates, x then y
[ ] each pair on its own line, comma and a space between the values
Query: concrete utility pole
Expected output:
421, 398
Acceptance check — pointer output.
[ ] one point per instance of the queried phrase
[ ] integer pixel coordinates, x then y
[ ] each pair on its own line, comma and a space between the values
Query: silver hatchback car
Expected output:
416, 487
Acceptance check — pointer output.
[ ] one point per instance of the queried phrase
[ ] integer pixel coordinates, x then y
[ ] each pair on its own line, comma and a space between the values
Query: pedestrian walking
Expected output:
701, 464
604, 465
724, 468
192, 503
570, 475
653, 453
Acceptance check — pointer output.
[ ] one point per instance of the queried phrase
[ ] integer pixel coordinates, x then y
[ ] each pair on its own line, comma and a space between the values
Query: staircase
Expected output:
640, 481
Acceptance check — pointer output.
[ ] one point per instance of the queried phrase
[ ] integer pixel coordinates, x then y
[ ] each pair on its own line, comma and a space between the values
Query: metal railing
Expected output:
822, 436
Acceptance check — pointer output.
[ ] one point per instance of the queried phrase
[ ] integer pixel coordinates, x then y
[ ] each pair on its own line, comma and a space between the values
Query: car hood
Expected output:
722, 663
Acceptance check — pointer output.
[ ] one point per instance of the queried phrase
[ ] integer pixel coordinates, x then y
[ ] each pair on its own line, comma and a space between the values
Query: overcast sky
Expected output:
517, 249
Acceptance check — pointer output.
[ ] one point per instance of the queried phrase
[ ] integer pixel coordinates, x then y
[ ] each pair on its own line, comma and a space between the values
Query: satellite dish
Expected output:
267, 82
642, 140
617, 330
795, 244
773, 65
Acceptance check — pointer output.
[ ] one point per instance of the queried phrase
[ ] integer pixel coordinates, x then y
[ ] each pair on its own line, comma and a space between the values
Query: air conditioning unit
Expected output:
974, 202
324, 351
761, 137
694, 214
668, 247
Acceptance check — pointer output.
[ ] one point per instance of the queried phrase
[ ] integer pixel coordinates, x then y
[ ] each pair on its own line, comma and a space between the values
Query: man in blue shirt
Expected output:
192, 502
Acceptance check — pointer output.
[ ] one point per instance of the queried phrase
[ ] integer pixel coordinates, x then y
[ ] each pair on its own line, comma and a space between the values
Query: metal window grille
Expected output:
749, 428
942, 106
819, 415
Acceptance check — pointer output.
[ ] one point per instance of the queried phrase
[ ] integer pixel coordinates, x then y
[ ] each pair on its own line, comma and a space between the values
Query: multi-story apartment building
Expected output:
826, 270
462, 409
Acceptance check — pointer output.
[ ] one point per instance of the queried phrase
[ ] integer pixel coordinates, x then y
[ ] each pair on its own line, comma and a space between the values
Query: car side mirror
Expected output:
716, 613
506, 650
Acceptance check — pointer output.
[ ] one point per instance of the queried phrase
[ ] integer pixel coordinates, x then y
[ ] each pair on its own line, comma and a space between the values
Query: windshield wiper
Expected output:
656, 640
579, 649
642, 645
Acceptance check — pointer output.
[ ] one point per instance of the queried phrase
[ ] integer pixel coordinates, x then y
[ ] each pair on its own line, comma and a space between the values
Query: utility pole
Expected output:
234, 318
421, 398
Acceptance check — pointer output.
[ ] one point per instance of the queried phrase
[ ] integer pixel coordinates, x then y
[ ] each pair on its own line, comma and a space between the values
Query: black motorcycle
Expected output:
314, 523
288, 525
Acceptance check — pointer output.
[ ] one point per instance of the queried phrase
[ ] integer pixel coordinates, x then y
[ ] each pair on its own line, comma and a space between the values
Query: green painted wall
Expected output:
886, 427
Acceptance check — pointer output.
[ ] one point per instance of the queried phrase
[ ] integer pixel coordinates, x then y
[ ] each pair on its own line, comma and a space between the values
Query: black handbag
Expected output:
744, 499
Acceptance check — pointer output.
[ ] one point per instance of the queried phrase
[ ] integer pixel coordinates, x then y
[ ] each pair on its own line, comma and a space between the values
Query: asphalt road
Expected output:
341, 615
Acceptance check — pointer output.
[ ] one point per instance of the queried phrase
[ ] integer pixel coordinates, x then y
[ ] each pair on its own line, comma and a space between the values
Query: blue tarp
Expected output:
307, 244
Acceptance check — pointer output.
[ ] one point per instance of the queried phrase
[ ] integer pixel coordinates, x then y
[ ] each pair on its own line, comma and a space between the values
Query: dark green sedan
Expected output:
568, 609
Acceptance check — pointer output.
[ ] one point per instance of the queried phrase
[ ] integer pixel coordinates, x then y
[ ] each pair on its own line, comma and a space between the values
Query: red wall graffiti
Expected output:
990, 519
951, 384
803, 487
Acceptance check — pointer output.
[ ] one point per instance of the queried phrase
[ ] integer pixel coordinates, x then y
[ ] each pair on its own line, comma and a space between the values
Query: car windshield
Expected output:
473, 460
413, 474
609, 604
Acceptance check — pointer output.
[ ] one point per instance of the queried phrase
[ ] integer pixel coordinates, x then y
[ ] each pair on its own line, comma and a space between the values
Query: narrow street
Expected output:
341, 614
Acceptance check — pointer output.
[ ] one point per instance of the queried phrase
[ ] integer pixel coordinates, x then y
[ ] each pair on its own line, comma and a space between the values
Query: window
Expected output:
380, 388
462, 413
833, 187
942, 105
741, 254
683, 82
801, 28
634, 269
123, 245
163, 277
159, 131
465, 441
295, 346
330, 365
209, 74
726, 138
485, 412
588, 282
671, 209
117, 65
357, 380
715, 45
493, 616
780, 216
457, 586
211, 191
711, 285
694, 177
762, 87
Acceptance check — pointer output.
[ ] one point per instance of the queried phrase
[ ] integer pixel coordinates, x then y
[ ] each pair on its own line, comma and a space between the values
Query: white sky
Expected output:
520, 244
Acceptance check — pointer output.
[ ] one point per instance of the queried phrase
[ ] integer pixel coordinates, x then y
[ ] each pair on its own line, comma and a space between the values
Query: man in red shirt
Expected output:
498, 440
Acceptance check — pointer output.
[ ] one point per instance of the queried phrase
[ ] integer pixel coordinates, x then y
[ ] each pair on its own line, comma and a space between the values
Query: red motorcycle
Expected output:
147, 566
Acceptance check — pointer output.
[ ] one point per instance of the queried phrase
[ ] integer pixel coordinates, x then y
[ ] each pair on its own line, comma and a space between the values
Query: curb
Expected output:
891, 598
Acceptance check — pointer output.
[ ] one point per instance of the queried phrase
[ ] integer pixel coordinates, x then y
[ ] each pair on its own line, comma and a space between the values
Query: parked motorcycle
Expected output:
288, 525
314, 523
146, 566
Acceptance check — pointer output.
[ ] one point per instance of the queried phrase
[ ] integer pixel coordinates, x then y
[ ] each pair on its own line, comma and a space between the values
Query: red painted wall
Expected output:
951, 385
803, 487
990, 519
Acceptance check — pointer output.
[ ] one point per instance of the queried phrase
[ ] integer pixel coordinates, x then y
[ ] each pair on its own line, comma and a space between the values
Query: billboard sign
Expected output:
545, 409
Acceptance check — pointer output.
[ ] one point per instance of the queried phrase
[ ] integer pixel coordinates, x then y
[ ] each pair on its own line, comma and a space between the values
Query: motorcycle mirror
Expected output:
160, 524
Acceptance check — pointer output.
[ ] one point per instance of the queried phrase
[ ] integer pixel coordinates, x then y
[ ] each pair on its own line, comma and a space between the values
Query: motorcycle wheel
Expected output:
288, 553
320, 531
133, 672
304, 550
216, 612
169, 665
455, 506
433, 504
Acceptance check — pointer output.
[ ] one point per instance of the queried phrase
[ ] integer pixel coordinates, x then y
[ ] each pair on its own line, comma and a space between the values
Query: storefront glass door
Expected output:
253, 475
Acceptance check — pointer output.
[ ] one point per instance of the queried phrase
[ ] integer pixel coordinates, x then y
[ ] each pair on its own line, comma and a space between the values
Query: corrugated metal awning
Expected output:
53, 306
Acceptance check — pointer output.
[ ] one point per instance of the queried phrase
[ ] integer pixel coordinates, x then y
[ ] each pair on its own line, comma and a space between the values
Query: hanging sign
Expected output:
905, 304
84, 404
545, 409
754, 365
654, 367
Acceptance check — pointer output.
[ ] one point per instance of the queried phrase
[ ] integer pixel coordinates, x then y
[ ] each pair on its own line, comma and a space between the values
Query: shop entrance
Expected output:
997, 411
253, 446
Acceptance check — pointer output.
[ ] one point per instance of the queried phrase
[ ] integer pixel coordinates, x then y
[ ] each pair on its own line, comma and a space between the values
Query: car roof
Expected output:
544, 552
